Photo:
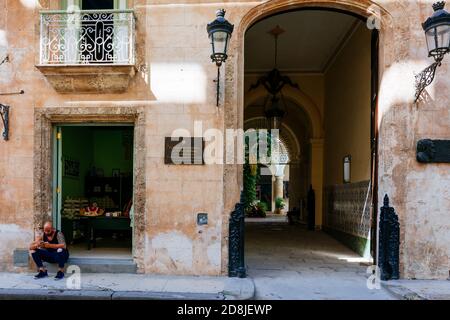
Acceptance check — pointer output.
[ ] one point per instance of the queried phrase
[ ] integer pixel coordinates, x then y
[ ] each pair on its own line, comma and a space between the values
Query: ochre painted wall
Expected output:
347, 110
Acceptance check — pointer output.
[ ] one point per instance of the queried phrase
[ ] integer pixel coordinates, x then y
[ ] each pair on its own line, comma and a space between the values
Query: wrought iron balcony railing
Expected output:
87, 37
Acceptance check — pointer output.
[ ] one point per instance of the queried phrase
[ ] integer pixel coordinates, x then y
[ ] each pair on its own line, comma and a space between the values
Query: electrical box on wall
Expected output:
202, 219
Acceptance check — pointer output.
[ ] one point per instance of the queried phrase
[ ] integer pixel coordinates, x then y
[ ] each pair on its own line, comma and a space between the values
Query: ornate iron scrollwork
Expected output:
236, 263
4, 113
426, 77
389, 242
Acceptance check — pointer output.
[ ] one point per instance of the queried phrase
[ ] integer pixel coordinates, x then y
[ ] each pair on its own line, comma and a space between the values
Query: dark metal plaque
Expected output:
184, 150
433, 151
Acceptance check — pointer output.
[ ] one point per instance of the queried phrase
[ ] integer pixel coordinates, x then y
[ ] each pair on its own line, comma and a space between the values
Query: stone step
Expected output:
99, 265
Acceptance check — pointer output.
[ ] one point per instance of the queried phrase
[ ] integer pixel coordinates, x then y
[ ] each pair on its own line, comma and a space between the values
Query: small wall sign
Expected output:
433, 151
202, 219
184, 150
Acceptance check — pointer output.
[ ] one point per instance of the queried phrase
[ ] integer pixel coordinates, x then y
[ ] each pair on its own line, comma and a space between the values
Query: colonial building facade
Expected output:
86, 81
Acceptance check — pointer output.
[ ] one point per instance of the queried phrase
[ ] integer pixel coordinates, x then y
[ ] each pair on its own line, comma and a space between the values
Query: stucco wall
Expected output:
174, 84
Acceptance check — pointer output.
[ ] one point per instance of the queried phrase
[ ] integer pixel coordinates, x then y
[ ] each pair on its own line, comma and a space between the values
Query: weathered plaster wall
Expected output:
419, 193
174, 85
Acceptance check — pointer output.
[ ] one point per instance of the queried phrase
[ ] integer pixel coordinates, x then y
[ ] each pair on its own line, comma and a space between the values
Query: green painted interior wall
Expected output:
109, 152
99, 147
77, 144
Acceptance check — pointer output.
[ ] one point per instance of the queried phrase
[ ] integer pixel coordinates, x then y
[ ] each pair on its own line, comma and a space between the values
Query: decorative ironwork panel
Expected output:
236, 262
389, 242
4, 115
433, 151
347, 208
83, 37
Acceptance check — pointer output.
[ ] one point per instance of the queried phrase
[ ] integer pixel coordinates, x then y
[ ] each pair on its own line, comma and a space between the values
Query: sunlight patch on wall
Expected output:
3, 39
30, 4
178, 83
398, 85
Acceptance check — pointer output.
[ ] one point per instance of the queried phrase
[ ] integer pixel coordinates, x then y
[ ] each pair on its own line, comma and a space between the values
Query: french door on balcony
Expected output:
98, 31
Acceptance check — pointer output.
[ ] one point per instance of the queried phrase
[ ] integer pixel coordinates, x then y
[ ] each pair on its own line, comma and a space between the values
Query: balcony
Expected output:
87, 51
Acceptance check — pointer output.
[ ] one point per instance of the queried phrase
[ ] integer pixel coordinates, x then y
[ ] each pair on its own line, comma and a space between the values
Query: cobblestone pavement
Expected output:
289, 262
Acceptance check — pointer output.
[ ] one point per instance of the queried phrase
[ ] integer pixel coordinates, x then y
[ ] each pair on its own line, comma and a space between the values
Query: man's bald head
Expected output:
48, 227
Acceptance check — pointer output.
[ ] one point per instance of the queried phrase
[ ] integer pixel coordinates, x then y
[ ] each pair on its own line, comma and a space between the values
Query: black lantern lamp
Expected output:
219, 32
274, 114
437, 33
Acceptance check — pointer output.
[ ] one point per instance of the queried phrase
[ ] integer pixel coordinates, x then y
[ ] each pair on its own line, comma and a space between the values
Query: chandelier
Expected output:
274, 82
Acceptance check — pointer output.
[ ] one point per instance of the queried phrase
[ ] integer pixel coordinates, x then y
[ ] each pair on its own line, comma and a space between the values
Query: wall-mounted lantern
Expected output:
4, 114
347, 162
219, 32
437, 33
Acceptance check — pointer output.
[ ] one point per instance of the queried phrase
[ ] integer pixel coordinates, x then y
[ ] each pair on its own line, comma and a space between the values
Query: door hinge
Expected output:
58, 189
58, 135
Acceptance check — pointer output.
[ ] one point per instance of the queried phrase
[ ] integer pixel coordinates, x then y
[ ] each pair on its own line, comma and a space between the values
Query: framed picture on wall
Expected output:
116, 173
71, 168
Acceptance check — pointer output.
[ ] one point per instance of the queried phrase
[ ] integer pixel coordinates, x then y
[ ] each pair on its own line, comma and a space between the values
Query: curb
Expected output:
245, 291
401, 292
52, 294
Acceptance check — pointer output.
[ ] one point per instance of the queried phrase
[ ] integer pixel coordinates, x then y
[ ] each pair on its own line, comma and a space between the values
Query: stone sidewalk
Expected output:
419, 289
289, 262
100, 286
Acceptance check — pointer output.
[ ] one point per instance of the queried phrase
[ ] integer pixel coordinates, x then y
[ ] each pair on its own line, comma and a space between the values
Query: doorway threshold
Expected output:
100, 265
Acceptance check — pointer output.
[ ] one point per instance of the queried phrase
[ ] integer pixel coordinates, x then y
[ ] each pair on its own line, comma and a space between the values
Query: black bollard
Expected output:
389, 242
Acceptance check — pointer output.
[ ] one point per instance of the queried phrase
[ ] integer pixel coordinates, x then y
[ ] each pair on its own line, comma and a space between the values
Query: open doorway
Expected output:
93, 166
318, 68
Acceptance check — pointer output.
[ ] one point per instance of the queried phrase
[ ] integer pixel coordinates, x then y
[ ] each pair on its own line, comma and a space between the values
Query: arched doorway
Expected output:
327, 115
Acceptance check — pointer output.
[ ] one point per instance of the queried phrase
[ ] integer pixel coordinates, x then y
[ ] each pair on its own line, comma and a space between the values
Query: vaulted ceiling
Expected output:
310, 41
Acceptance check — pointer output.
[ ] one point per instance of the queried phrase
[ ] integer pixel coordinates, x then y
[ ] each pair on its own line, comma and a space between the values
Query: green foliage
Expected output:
279, 203
257, 209
262, 206
249, 187
252, 172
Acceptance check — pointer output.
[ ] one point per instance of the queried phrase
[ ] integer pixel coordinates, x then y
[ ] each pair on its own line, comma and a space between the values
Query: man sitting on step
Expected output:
50, 247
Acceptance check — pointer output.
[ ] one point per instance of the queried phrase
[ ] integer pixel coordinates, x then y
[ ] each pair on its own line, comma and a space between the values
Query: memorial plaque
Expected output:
433, 151
184, 150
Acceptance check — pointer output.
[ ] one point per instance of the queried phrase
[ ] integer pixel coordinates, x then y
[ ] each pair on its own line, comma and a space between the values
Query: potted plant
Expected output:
257, 210
279, 205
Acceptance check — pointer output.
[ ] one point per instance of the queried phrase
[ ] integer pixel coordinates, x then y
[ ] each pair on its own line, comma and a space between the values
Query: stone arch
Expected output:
364, 9
287, 136
234, 91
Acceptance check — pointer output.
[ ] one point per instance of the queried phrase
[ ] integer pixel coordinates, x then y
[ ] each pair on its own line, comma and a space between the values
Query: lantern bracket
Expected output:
4, 113
217, 81
426, 77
